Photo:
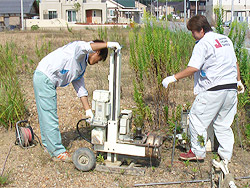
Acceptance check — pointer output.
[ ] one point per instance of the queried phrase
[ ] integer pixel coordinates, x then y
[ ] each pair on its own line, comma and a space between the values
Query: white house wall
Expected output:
62, 6
45, 7
101, 17
239, 6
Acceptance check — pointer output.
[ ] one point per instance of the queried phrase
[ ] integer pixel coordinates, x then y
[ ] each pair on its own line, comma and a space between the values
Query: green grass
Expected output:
12, 106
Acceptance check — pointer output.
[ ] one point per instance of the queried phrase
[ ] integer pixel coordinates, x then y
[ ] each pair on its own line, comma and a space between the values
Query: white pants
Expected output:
217, 108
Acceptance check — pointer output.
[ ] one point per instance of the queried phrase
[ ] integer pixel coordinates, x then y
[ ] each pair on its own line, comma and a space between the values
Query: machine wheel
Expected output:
84, 159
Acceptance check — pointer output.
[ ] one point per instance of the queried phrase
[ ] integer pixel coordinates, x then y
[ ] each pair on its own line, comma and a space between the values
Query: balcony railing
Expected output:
49, 16
89, 1
202, 7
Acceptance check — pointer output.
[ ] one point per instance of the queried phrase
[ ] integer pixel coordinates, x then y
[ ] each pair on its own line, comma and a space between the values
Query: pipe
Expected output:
180, 182
171, 183
240, 178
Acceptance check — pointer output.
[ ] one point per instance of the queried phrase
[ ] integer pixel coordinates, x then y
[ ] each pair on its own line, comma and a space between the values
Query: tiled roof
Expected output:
14, 6
126, 3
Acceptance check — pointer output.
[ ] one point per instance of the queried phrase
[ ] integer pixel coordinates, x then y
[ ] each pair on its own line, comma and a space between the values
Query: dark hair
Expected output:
104, 51
199, 22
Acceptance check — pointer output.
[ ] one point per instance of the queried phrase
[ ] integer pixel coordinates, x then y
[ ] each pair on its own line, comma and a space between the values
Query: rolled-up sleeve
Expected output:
83, 48
198, 56
79, 86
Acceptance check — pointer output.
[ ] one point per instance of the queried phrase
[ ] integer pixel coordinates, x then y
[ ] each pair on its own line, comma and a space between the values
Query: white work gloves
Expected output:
168, 80
115, 45
240, 87
89, 115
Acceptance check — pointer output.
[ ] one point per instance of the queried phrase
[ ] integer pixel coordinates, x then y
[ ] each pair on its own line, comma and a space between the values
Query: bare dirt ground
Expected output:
33, 167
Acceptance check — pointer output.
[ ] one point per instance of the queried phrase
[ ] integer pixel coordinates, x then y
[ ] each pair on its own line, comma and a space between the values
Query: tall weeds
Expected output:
237, 34
155, 52
219, 22
12, 106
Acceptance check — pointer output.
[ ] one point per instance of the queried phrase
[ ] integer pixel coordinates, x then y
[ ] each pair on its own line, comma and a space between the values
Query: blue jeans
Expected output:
46, 103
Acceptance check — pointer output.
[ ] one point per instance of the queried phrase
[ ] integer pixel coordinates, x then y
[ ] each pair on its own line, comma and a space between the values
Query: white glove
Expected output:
89, 115
240, 87
168, 80
115, 45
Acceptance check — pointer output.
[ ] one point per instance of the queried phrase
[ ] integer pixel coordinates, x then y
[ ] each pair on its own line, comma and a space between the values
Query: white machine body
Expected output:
111, 133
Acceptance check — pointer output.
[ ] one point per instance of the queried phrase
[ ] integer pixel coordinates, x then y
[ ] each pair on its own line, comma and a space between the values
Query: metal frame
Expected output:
111, 146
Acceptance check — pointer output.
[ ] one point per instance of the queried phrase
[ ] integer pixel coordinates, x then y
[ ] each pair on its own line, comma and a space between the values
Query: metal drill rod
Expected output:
172, 159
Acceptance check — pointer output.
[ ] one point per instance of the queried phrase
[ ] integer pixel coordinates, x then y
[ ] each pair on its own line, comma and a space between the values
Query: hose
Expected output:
80, 134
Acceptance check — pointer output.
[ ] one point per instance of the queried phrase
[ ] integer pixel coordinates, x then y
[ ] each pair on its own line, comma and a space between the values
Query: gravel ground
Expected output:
33, 167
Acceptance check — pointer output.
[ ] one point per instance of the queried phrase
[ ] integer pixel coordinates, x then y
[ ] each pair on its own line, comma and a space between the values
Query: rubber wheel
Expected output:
84, 159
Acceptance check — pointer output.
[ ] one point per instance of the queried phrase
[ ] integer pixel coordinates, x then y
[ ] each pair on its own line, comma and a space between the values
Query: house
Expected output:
241, 10
177, 8
124, 11
174, 8
10, 12
84, 11
141, 7
196, 7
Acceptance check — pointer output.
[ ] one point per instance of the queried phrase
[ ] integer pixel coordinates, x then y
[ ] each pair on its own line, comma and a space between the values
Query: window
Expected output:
52, 14
111, 12
71, 16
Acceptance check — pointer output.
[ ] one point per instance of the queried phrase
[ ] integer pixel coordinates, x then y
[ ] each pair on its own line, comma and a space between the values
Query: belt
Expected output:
226, 86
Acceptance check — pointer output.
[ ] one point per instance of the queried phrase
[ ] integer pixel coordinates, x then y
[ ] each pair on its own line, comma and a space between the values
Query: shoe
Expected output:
65, 157
190, 156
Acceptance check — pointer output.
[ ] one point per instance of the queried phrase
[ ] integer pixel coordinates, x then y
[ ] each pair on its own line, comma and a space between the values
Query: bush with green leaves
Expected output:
34, 27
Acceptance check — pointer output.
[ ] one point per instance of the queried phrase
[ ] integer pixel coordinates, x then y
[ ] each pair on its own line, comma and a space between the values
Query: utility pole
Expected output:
185, 12
232, 11
117, 16
151, 8
157, 15
220, 7
196, 7
22, 14
166, 9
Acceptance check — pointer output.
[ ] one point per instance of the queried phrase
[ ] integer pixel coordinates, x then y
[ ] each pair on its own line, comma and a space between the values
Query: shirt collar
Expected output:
197, 41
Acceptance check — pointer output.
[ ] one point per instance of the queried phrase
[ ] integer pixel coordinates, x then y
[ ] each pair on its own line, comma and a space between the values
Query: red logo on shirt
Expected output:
218, 45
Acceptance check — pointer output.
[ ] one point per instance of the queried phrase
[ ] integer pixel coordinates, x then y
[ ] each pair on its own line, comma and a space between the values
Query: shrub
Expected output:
34, 27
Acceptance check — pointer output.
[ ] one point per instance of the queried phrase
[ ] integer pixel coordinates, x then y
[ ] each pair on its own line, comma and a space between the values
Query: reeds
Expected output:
12, 106
237, 34
155, 52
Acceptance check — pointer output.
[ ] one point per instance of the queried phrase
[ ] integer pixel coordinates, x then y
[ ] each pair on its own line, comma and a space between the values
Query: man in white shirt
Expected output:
216, 77
58, 69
